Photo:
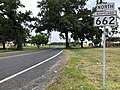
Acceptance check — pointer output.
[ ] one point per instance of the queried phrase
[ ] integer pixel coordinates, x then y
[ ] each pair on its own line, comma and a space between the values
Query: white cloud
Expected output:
30, 5
90, 4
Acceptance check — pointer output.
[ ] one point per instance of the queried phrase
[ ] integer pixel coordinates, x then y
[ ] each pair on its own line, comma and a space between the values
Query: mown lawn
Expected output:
83, 70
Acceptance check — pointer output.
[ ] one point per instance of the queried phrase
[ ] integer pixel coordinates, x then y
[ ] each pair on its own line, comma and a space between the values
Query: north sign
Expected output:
107, 6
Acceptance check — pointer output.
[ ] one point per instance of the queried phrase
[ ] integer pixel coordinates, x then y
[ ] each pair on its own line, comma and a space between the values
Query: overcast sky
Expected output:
32, 5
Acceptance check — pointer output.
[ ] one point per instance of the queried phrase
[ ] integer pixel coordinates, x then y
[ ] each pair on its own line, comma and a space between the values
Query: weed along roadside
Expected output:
83, 70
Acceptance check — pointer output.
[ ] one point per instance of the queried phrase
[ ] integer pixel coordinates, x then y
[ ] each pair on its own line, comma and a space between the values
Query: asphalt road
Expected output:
23, 70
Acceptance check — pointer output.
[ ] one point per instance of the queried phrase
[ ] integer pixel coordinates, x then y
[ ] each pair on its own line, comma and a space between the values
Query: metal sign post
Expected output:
104, 57
105, 16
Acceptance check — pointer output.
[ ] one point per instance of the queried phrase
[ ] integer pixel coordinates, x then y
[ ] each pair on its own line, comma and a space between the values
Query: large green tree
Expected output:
5, 30
5, 24
14, 22
60, 15
39, 39
84, 28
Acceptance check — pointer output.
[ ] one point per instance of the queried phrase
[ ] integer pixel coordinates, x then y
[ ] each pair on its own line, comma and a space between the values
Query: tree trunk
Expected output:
81, 43
3, 43
66, 36
19, 43
38, 45
19, 46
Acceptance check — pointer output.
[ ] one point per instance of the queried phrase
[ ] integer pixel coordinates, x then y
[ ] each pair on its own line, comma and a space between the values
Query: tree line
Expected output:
64, 16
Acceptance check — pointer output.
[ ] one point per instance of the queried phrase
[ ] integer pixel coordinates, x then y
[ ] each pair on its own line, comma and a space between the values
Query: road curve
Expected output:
19, 68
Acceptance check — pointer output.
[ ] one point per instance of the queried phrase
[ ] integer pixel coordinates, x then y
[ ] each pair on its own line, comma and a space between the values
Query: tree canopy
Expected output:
39, 39
67, 16
12, 21
63, 16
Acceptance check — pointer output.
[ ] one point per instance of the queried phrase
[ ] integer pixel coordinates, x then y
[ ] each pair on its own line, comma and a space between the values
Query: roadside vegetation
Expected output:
25, 48
83, 70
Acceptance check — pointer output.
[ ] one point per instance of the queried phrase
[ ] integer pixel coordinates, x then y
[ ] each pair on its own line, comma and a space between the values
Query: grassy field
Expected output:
12, 49
83, 70
25, 48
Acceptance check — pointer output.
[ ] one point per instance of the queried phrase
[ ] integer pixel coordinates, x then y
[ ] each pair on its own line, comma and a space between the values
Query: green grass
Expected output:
83, 70
25, 48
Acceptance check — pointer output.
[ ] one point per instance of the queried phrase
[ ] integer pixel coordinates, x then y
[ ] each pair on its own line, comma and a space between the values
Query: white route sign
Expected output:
107, 6
105, 20
105, 15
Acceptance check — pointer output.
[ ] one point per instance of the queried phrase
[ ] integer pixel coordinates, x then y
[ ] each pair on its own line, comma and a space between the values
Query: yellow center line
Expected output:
21, 55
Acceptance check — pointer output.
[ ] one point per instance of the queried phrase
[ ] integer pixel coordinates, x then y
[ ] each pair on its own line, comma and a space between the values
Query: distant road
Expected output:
17, 69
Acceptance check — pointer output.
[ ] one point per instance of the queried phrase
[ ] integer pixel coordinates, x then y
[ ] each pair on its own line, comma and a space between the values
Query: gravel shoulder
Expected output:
49, 76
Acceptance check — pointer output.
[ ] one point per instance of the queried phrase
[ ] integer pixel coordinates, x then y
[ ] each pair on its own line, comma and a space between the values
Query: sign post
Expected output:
104, 57
105, 16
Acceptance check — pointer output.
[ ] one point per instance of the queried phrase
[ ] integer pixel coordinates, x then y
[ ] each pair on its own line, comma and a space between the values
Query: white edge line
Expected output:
21, 72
